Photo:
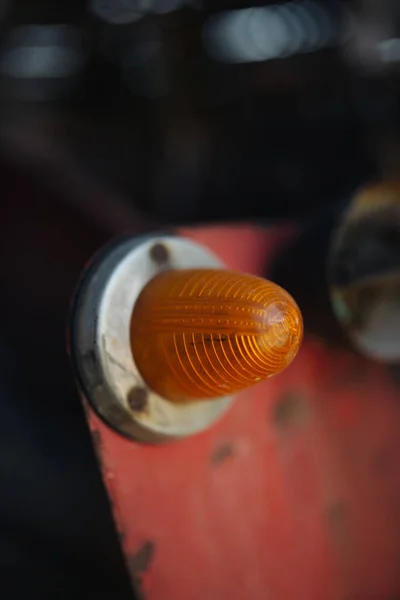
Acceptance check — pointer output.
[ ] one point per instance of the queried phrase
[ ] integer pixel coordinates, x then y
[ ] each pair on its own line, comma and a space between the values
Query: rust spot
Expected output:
337, 519
142, 559
159, 254
139, 564
137, 399
221, 454
292, 411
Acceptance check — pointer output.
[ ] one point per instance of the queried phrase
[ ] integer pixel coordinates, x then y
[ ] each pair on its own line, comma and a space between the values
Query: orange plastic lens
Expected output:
205, 333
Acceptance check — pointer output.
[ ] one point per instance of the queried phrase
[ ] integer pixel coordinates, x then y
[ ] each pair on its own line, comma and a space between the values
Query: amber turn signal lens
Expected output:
206, 333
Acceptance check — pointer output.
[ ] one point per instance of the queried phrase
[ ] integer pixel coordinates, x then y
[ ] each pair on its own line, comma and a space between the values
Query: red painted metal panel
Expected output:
293, 495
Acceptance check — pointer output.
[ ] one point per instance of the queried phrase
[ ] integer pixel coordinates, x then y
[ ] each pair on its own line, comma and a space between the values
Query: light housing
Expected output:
115, 325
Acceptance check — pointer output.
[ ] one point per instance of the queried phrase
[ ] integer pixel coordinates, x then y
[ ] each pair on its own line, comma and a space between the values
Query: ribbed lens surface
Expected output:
206, 333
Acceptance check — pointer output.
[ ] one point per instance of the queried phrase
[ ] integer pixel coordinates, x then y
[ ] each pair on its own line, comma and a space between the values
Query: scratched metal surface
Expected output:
293, 495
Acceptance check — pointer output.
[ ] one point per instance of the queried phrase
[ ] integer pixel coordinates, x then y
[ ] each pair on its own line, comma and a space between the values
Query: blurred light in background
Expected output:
117, 12
166, 6
271, 32
42, 52
122, 12
389, 50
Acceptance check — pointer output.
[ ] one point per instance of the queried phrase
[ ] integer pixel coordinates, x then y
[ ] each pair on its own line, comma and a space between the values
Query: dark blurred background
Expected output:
121, 115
